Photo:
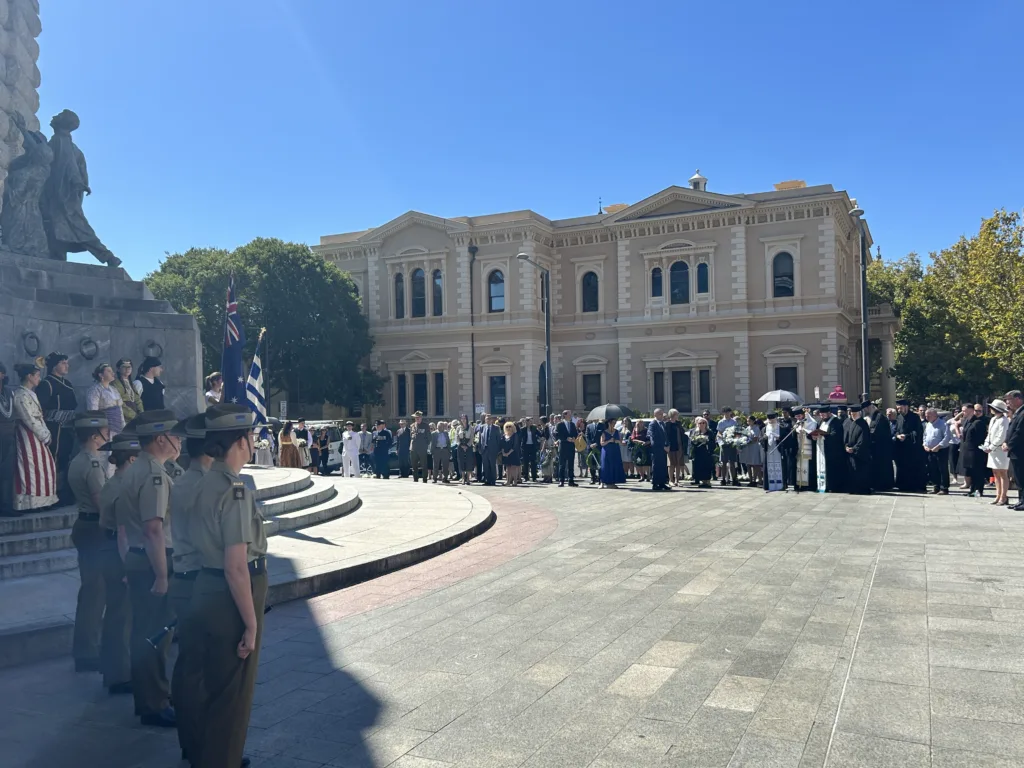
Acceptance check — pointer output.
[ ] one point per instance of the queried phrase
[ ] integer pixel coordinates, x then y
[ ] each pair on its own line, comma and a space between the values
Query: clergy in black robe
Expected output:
911, 475
882, 477
58, 402
857, 440
789, 448
974, 461
829, 436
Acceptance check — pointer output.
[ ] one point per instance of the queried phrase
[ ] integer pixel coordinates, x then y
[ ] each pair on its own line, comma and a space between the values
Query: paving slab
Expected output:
618, 628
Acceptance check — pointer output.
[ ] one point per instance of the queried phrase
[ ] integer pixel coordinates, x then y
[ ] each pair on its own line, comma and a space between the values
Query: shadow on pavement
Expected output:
307, 708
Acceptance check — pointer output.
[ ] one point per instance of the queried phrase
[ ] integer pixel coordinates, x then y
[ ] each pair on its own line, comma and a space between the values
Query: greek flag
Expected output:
254, 390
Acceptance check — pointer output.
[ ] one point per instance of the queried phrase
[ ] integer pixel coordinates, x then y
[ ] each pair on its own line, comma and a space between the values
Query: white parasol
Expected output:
779, 396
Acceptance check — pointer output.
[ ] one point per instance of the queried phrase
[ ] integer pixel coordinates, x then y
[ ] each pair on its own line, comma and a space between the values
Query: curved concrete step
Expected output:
35, 542
37, 563
316, 491
342, 502
52, 520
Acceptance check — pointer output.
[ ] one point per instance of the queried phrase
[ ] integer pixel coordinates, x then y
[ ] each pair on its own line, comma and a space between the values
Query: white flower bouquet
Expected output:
698, 438
734, 437
262, 445
300, 442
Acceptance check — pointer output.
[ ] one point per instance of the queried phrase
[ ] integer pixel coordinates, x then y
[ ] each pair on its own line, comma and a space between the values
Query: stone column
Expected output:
888, 382
19, 75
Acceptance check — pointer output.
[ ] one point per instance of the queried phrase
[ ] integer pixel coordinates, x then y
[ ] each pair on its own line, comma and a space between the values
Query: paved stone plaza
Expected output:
620, 628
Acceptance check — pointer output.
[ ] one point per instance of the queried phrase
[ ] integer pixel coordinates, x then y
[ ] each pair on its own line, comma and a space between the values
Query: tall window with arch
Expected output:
419, 293
656, 286
496, 291
588, 292
437, 289
703, 280
783, 280
679, 283
399, 296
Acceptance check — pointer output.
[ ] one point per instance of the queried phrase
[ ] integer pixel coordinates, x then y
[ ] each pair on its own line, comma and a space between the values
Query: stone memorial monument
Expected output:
89, 312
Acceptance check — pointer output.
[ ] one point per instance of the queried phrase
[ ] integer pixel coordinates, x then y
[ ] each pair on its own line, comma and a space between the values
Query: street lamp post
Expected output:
858, 214
546, 273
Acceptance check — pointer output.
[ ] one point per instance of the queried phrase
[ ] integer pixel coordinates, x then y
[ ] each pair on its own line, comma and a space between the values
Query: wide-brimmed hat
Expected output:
998, 405
91, 420
159, 422
192, 426
228, 417
126, 441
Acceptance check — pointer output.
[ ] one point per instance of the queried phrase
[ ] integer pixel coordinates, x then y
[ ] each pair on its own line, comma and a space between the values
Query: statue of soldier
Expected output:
67, 229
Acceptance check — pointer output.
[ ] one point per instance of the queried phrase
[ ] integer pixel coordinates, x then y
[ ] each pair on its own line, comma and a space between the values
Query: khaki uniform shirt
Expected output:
183, 505
108, 497
174, 470
225, 514
145, 495
86, 477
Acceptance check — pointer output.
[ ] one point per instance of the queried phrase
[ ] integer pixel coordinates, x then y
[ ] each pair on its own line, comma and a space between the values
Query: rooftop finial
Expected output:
698, 182
600, 208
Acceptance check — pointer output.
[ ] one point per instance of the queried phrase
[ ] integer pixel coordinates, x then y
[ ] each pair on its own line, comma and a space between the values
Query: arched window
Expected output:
679, 283
438, 291
702, 278
656, 291
399, 296
782, 275
419, 293
588, 292
496, 292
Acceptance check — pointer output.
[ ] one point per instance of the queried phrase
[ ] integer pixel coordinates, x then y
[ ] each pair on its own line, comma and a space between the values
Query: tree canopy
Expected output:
961, 337
317, 337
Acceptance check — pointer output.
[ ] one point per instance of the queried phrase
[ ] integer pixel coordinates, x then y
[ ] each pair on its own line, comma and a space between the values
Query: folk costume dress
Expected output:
107, 399
289, 455
35, 484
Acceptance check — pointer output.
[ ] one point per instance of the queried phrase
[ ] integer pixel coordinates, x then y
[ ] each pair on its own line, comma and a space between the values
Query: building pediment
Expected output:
412, 219
680, 355
676, 201
415, 357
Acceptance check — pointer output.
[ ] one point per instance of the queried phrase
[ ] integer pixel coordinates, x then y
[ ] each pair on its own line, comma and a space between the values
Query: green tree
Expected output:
893, 282
317, 336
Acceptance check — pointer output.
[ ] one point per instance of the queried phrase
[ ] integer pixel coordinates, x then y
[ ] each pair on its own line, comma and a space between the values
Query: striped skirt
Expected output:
35, 481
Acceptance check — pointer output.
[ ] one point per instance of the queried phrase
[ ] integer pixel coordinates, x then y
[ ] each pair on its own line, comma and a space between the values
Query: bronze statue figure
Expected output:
21, 219
67, 229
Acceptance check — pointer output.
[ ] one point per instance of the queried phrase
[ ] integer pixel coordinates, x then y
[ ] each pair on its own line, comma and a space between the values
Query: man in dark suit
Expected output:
1015, 443
529, 438
659, 452
403, 439
973, 433
490, 444
565, 434
789, 448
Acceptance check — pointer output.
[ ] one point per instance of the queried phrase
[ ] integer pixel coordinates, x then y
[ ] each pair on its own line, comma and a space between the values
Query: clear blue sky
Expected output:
210, 122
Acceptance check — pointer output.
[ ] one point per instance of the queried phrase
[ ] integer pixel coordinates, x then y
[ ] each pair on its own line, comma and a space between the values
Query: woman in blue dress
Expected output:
612, 472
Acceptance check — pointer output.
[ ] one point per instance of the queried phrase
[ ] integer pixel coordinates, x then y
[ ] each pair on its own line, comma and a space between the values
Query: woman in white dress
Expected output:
35, 482
103, 396
264, 447
752, 454
214, 389
998, 460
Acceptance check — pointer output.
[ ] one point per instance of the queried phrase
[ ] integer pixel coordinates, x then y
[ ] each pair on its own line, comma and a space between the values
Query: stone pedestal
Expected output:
95, 314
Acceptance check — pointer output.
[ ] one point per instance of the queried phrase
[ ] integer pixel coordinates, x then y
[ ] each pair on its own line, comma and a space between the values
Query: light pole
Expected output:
547, 329
858, 214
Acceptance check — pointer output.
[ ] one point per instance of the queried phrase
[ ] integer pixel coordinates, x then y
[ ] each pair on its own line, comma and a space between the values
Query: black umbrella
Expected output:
608, 411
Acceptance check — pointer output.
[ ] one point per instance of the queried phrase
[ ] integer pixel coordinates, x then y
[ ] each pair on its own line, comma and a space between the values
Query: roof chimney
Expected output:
795, 184
698, 182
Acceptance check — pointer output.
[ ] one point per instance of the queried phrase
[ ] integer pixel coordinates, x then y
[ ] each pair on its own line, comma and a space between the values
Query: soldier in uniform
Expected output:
59, 404
230, 593
142, 508
115, 656
420, 448
86, 477
187, 679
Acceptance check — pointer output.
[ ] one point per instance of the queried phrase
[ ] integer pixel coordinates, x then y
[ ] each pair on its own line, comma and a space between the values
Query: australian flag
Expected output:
234, 342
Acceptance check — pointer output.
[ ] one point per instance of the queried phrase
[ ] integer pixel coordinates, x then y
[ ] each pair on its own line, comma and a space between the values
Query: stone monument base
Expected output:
95, 314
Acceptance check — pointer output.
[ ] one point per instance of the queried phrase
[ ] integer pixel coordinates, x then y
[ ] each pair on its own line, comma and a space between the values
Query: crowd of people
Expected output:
830, 448
37, 412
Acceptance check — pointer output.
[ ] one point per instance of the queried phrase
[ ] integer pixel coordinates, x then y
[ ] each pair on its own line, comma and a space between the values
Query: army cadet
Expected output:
115, 657
142, 508
187, 679
86, 476
230, 593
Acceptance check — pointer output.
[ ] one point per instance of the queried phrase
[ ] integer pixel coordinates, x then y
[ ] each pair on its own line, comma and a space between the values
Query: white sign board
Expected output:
480, 408
283, 410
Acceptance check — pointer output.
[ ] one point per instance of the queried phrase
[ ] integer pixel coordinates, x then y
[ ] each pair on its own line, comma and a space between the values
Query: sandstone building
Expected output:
689, 299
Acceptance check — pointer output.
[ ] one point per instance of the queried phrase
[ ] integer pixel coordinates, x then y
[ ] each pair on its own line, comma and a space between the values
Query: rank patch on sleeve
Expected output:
239, 493
95, 463
158, 480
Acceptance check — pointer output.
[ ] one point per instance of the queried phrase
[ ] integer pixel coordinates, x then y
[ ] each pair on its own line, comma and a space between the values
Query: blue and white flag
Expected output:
234, 342
254, 388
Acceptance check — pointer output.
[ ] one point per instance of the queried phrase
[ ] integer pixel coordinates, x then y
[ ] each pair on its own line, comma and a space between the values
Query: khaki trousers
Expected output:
88, 540
230, 681
115, 656
150, 614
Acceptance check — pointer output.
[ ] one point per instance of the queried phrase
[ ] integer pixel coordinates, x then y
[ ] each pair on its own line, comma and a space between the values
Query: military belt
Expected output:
142, 551
259, 565
89, 517
185, 575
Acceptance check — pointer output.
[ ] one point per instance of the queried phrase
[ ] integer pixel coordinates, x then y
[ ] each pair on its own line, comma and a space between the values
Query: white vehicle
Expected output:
334, 437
